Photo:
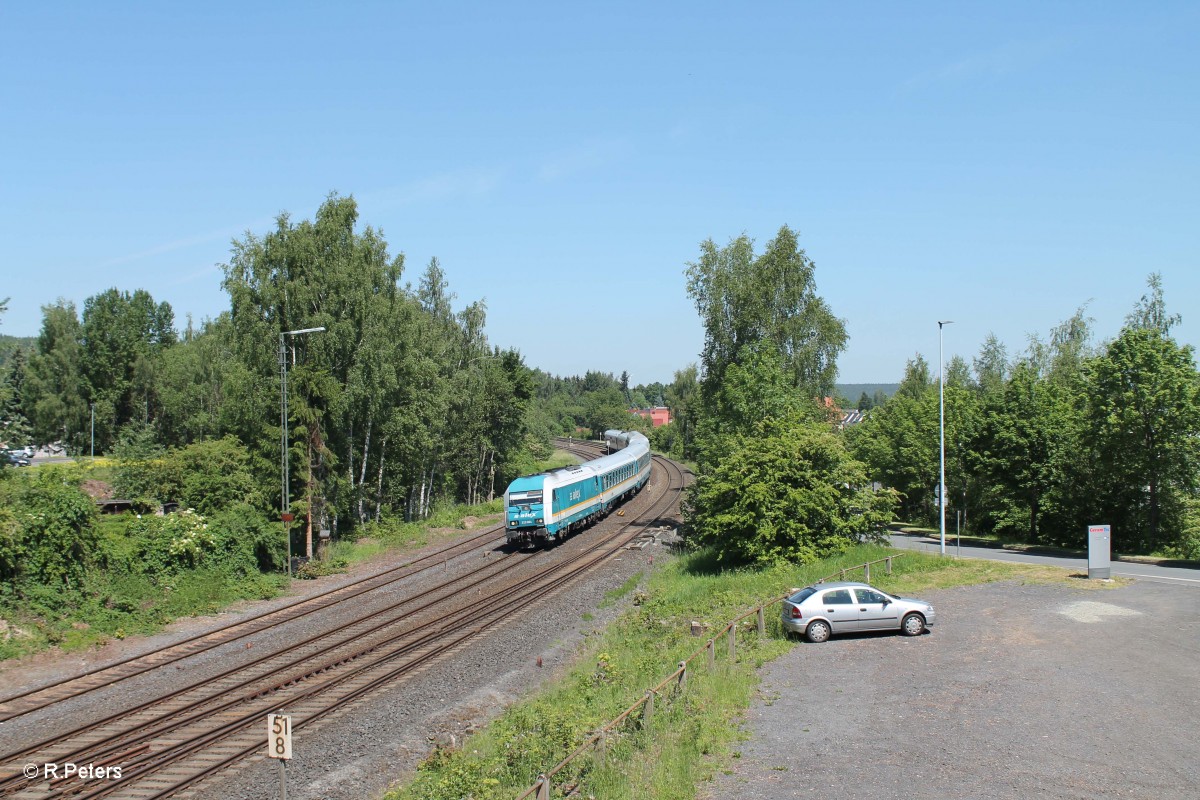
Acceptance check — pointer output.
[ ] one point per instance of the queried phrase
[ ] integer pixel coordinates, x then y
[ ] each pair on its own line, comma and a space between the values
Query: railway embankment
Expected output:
693, 734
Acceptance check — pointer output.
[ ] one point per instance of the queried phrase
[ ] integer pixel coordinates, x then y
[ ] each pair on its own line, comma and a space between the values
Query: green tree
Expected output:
1150, 313
123, 335
991, 366
56, 392
899, 445
14, 426
48, 539
1020, 452
319, 273
760, 309
790, 491
1144, 412
203, 389
606, 410
682, 397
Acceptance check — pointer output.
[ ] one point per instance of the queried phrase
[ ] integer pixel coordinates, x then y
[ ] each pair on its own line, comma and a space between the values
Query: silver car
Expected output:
817, 612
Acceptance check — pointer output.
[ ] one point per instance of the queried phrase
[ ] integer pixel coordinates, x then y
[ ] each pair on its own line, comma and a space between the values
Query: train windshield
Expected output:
525, 498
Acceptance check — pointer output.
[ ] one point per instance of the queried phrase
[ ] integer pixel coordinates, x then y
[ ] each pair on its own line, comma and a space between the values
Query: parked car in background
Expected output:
817, 612
17, 458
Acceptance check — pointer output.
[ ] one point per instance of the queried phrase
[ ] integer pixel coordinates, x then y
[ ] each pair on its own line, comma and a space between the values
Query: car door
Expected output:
837, 606
876, 611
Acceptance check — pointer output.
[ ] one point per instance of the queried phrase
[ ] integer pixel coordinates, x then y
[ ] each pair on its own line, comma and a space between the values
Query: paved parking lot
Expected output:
1020, 691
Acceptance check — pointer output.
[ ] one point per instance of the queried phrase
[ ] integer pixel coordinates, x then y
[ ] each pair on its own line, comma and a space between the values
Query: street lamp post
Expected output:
942, 435
285, 501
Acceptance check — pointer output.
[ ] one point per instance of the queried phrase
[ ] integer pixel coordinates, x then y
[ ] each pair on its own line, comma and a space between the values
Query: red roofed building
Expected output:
658, 416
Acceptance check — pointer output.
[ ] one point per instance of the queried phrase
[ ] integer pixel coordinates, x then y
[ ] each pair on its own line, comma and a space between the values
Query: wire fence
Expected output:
676, 682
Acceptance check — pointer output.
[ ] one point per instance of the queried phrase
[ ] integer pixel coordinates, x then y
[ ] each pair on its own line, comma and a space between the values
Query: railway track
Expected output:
44, 695
168, 745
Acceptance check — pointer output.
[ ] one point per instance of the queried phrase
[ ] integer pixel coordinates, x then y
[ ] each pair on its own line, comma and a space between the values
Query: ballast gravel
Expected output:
359, 752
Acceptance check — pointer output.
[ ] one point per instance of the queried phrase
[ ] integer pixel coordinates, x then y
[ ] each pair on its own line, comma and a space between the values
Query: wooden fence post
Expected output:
543, 787
602, 748
762, 623
889, 565
867, 573
648, 711
733, 642
712, 658
682, 676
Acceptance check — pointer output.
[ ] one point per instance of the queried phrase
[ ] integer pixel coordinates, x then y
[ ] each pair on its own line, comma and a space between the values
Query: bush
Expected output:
215, 475
141, 472
319, 569
249, 541
239, 541
49, 537
790, 491
164, 545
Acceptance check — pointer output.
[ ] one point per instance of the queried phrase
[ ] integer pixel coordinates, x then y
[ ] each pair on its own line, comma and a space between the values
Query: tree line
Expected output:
1066, 434
398, 404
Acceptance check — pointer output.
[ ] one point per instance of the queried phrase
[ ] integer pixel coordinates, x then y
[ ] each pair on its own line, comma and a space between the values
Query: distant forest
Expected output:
853, 391
9, 344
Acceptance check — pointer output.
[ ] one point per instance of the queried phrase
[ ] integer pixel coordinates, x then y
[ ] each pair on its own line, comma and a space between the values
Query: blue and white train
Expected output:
548, 507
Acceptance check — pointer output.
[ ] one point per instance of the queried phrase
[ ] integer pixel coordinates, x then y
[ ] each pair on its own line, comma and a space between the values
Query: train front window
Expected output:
524, 498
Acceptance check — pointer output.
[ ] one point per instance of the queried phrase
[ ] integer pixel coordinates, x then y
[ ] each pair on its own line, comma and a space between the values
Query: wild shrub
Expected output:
164, 545
248, 540
788, 493
140, 472
48, 537
319, 569
213, 475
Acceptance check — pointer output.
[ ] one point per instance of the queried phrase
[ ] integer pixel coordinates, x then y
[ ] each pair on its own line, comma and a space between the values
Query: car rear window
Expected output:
802, 595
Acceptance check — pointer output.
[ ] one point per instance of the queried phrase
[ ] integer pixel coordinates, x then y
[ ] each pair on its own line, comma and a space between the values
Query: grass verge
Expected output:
114, 606
692, 732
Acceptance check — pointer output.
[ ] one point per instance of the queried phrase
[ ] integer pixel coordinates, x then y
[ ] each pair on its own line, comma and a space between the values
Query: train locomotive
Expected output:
548, 507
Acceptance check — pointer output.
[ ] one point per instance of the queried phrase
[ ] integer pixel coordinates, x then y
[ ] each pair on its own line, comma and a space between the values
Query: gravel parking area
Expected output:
1019, 691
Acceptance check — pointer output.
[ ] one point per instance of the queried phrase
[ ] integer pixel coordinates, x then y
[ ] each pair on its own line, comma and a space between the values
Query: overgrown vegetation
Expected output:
691, 735
1067, 434
73, 578
774, 483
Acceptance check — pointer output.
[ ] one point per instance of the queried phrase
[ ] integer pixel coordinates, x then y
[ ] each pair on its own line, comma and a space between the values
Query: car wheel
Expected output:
817, 632
913, 625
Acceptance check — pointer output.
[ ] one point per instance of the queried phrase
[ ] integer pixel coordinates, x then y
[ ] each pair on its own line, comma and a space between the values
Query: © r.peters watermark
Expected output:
84, 772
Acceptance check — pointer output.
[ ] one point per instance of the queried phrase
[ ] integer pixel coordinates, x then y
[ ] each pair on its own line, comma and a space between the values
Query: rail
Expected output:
540, 790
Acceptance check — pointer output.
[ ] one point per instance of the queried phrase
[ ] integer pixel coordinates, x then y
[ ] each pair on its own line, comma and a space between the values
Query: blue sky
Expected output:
994, 164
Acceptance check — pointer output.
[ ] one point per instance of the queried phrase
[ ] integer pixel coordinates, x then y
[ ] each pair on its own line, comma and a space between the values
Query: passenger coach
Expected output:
549, 506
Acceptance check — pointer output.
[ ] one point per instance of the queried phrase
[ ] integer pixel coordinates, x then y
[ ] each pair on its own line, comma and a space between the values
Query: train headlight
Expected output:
539, 521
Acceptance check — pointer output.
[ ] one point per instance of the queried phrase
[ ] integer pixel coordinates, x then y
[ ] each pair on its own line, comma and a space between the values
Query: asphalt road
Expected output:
1128, 569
